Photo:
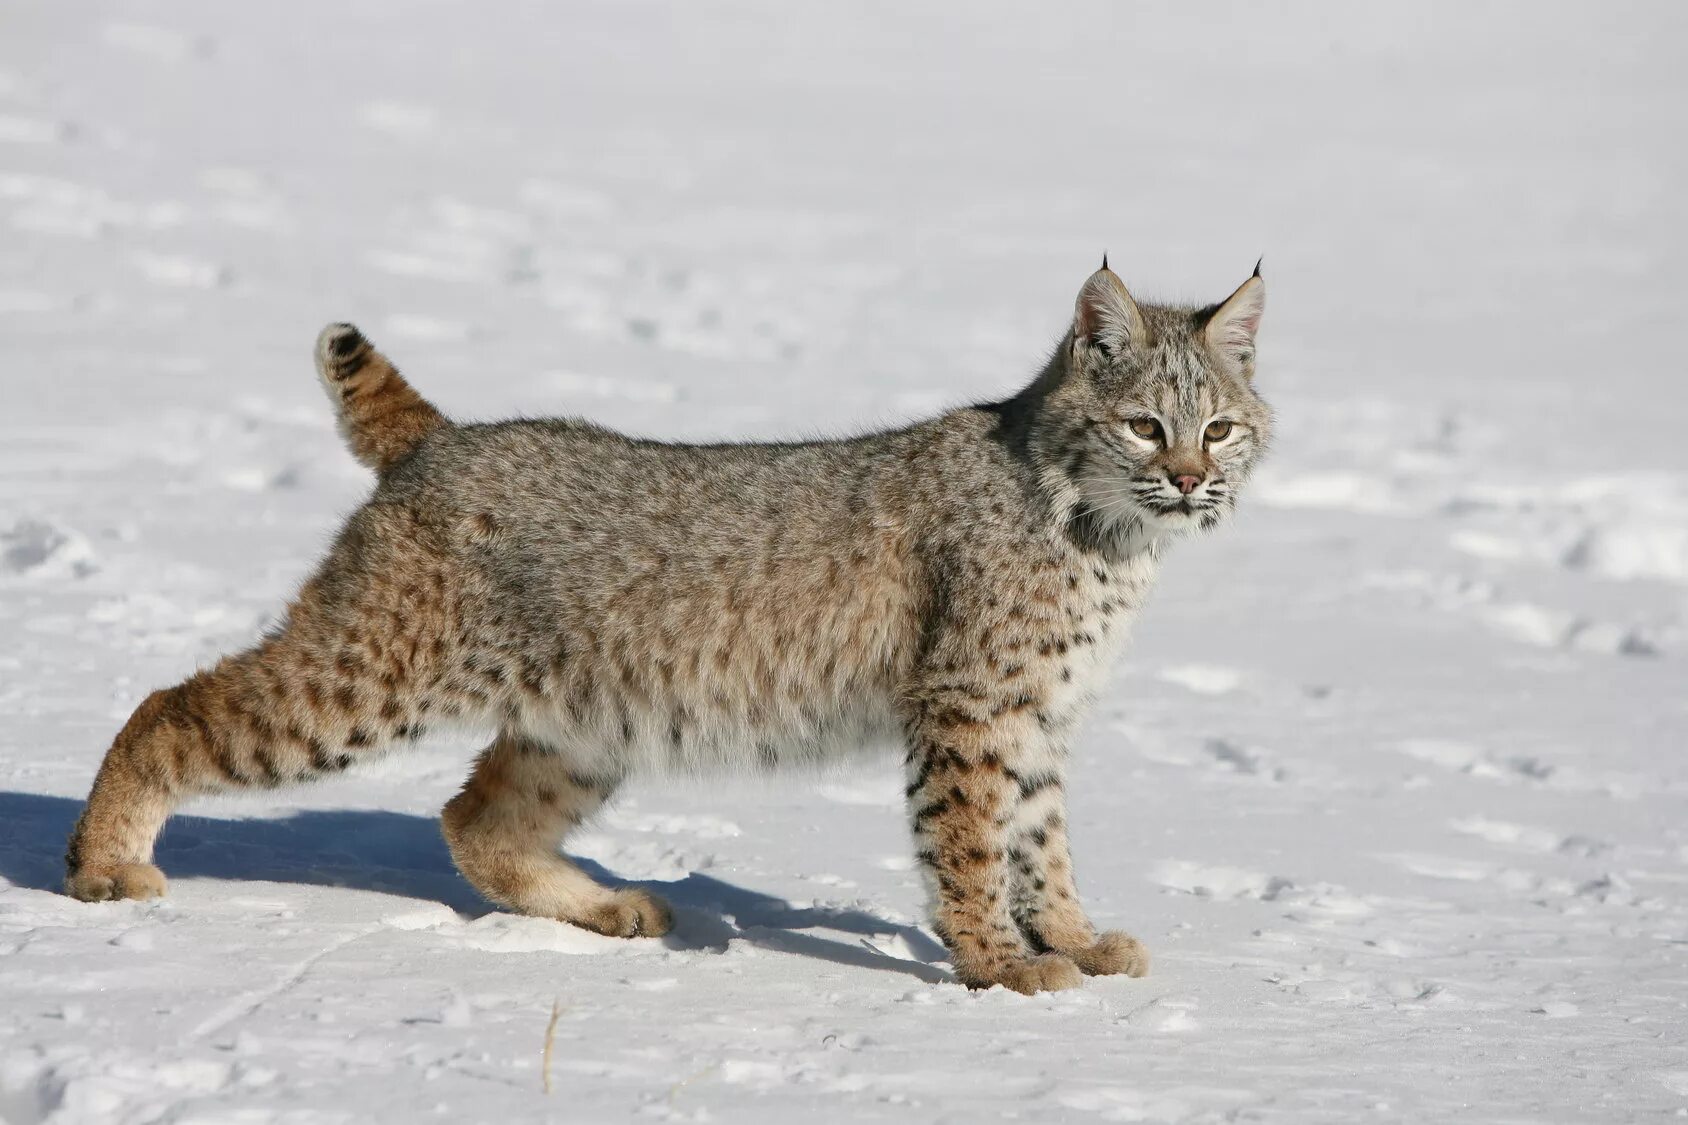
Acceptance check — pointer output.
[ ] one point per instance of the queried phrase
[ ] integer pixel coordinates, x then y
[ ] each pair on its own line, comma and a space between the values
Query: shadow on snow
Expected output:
400, 854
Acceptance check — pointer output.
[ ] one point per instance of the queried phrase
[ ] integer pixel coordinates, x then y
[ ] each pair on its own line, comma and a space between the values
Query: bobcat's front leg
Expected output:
963, 800
1046, 903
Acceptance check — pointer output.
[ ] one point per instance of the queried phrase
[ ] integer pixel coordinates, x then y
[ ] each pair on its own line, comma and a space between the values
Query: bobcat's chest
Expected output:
1100, 608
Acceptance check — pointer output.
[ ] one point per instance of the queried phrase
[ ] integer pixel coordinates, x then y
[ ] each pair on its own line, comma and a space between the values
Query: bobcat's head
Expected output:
1158, 423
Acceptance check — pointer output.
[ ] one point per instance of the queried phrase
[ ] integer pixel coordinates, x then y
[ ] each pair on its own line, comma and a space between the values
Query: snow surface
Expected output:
1392, 781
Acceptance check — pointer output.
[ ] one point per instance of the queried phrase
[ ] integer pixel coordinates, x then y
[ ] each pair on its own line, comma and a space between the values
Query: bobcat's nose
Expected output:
1187, 483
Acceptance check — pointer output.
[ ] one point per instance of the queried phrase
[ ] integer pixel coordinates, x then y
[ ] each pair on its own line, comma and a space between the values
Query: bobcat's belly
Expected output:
693, 736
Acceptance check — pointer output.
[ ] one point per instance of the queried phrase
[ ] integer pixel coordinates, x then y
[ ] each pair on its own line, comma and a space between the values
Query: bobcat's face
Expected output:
1179, 442
1171, 426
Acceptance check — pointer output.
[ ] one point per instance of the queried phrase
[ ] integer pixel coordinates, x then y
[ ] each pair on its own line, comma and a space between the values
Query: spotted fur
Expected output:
955, 588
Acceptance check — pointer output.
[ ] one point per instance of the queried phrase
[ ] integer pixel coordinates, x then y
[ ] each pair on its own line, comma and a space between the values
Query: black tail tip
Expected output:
344, 339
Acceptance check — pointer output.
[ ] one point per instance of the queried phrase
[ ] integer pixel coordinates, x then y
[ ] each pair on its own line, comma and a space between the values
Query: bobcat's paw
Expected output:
629, 912
1045, 972
1114, 952
97, 883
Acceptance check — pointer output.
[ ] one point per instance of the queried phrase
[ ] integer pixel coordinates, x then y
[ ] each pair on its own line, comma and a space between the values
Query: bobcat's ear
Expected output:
1231, 328
1106, 318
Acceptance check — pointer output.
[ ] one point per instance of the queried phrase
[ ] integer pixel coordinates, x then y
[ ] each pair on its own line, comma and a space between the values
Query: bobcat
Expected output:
615, 606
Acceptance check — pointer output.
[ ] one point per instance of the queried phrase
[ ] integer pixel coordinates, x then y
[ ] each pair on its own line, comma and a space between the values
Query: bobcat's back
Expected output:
668, 607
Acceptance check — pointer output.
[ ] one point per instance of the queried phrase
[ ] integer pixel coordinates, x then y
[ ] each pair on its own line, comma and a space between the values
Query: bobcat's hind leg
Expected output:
504, 829
238, 725
366, 658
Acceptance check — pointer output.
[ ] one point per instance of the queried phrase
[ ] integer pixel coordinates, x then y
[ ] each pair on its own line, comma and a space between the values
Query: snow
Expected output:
1391, 780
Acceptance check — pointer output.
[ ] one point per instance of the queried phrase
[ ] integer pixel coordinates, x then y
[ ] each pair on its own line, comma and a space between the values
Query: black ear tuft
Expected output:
1262, 258
1230, 328
1104, 259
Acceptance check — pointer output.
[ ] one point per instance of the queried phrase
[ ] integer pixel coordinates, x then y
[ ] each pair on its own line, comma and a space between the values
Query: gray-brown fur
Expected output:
613, 606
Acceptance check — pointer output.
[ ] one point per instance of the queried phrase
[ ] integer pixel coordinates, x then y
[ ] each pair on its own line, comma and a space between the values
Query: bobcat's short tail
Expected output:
381, 416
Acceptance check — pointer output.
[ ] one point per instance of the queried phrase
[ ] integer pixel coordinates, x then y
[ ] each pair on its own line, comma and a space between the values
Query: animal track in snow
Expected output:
1318, 904
1244, 760
85, 1088
1636, 550
1164, 1015
37, 549
1518, 769
1614, 528
1620, 529
257, 479
716, 317
1525, 838
1572, 895
1322, 985
1521, 621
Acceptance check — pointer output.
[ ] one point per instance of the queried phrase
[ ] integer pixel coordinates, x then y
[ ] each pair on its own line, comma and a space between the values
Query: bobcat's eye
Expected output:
1146, 428
1217, 431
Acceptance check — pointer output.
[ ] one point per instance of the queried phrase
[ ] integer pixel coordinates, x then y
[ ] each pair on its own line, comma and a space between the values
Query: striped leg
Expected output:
504, 829
368, 655
963, 800
1046, 902
246, 723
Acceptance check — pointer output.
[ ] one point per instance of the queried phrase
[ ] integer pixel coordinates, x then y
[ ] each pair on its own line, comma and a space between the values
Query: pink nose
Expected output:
1187, 484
